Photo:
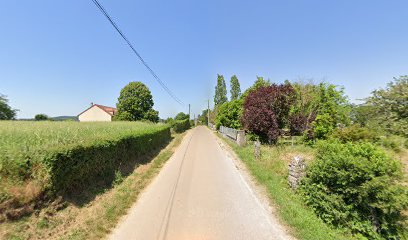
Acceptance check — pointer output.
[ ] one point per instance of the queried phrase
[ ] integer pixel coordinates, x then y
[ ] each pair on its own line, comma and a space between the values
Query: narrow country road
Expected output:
199, 194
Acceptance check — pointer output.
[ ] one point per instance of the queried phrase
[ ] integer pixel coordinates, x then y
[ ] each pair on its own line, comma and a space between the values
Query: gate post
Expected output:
241, 138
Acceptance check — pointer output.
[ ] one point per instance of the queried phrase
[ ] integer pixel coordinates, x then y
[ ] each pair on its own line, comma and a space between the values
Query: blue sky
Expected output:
58, 56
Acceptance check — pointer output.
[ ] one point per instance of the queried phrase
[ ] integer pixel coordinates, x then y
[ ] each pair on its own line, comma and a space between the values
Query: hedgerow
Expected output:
65, 156
180, 126
356, 186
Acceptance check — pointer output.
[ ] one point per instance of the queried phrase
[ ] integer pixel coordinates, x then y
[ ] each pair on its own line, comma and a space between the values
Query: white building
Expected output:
97, 113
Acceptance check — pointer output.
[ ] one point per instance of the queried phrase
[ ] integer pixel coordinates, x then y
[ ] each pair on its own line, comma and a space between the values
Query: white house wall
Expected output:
95, 114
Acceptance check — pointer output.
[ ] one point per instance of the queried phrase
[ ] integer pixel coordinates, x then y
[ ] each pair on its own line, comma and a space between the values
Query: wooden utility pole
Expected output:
208, 112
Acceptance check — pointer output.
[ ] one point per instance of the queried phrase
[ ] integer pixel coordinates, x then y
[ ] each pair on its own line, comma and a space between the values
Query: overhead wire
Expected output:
162, 84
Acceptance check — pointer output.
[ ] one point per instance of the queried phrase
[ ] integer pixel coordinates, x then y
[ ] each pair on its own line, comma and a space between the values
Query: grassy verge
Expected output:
96, 218
271, 171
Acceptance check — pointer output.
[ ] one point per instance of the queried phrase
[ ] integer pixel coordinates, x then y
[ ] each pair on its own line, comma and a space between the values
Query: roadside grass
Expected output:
98, 217
271, 171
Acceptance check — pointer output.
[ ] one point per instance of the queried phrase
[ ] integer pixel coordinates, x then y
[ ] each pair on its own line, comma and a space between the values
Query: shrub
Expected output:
355, 133
181, 125
356, 186
266, 111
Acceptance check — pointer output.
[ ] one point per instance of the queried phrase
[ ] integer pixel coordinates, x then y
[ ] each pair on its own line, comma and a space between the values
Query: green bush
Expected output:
180, 126
355, 133
355, 186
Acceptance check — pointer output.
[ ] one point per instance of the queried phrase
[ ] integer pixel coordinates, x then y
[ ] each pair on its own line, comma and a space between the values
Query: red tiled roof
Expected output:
109, 110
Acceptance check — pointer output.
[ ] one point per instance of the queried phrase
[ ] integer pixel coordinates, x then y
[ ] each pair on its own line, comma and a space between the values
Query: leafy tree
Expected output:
136, 103
41, 117
266, 111
333, 110
391, 106
361, 114
203, 117
220, 91
182, 116
260, 82
229, 114
6, 112
235, 88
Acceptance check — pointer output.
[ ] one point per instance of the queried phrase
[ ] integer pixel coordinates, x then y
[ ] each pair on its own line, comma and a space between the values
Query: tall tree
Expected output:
220, 91
181, 116
235, 88
260, 82
136, 103
6, 112
391, 106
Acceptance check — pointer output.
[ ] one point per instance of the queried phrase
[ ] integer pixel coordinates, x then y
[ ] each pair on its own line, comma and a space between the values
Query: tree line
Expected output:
314, 111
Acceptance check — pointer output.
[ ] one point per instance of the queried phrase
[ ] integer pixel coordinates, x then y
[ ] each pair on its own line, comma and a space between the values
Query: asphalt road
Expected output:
199, 194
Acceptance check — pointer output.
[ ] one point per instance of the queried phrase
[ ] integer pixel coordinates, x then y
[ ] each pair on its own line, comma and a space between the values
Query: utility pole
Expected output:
189, 117
208, 112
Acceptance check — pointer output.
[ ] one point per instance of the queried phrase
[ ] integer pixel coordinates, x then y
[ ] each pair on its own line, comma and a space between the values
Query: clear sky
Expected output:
56, 57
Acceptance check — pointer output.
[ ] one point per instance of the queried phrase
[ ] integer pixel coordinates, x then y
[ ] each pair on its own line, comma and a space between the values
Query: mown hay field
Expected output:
62, 156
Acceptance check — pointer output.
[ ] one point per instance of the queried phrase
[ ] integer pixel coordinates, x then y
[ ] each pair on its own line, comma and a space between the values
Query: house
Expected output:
97, 113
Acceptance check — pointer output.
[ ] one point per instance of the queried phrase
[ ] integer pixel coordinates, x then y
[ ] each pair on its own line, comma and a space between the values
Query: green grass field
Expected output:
35, 156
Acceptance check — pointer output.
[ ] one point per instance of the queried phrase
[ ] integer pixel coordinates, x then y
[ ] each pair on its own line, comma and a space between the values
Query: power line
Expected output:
102, 9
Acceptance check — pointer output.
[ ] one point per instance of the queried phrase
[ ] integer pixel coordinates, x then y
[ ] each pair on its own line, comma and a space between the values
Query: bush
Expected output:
355, 133
355, 186
181, 125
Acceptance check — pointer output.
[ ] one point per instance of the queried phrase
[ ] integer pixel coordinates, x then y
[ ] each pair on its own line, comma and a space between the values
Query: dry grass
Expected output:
96, 218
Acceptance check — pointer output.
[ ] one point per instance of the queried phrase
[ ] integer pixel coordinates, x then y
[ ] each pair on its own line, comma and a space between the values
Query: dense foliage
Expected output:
266, 111
390, 106
220, 96
333, 110
356, 186
180, 126
235, 88
62, 156
229, 114
259, 82
181, 116
136, 103
355, 133
41, 117
203, 117
6, 112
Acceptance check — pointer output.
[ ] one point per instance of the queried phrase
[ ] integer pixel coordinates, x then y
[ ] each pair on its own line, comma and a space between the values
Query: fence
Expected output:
230, 132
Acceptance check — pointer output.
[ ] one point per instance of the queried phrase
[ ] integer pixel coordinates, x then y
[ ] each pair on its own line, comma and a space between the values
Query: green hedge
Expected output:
61, 156
357, 186
181, 125
75, 168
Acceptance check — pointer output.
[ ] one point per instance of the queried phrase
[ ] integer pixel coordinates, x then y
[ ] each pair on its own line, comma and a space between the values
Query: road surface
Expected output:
199, 194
